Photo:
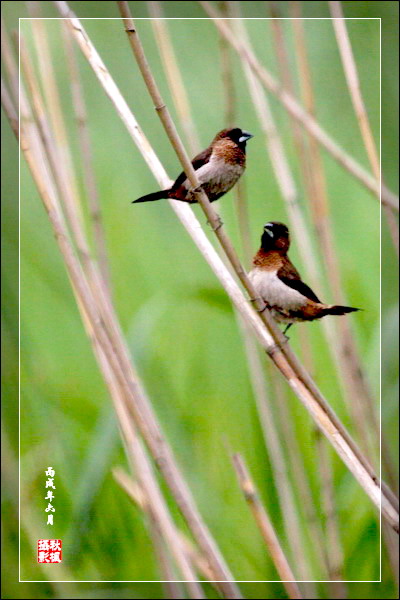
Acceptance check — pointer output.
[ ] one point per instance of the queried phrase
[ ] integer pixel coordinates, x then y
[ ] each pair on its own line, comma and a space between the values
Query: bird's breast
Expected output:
274, 292
222, 176
217, 177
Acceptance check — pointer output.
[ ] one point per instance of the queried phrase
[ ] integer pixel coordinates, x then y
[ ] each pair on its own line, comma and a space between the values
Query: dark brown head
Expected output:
275, 237
237, 135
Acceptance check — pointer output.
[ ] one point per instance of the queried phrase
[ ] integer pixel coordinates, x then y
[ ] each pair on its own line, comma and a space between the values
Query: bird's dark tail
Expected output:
335, 309
151, 197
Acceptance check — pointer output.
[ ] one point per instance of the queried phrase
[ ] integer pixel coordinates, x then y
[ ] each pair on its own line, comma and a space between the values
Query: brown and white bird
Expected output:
279, 284
218, 168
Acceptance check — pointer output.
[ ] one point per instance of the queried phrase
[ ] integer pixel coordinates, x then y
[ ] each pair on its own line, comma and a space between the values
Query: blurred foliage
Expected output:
180, 327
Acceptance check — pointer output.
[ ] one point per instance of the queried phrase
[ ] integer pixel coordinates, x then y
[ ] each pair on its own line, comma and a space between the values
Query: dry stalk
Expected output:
294, 108
333, 542
287, 503
283, 175
10, 64
136, 494
172, 588
361, 405
288, 508
248, 56
298, 470
52, 97
282, 482
136, 398
325, 418
30, 142
175, 81
350, 69
9, 108
266, 528
340, 341
228, 86
342, 346
227, 78
161, 523
86, 155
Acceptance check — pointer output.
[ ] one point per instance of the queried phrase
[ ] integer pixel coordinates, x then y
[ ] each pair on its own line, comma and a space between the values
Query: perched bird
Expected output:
279, 284
217, 168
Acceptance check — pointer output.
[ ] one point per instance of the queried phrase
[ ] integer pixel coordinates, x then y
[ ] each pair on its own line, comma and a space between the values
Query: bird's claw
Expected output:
260, 310
218, 225
285, 330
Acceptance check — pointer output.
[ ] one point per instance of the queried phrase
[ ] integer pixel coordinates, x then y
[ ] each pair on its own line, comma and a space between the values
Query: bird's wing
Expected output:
289, 275
198, 161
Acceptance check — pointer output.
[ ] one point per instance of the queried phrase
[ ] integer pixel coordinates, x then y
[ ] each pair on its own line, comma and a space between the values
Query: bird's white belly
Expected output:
276, 294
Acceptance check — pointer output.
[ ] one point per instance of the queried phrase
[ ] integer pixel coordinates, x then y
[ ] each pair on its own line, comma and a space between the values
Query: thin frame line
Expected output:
198, 580
380, 299
380, 289
205, 18
19, 300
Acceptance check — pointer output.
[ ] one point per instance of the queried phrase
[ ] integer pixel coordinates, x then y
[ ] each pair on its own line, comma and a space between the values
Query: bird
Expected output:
218, 168
279, 285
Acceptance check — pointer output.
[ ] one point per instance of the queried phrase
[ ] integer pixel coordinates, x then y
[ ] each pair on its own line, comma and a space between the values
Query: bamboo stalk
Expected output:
139, 404
294, 108
161, 521
287, 503
361, 404
246, 53
256, 371
172, 587
86, 155
175, 81
9, 108
279, 356
228, 86
52, 97
298, 470
340, 348
335, 554
353, 84
288, 508
272, 443
266, 528
10, 64
341, 341
227, 78
136, 494
103, 348
323, 416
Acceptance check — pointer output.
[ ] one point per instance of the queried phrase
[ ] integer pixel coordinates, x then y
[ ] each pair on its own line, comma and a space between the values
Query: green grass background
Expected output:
179, 325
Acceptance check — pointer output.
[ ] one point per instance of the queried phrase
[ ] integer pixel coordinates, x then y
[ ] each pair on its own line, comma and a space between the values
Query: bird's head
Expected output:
275, 236
237, 135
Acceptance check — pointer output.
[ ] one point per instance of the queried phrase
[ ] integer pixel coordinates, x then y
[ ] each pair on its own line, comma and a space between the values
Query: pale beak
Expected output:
245, 136
268, 229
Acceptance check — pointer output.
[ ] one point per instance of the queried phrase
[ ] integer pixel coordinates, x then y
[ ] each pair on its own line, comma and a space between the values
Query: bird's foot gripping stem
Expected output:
217, 225
285, 330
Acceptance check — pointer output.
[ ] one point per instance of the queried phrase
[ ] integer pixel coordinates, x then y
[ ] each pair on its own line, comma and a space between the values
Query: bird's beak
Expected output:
245, 136
268, 230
